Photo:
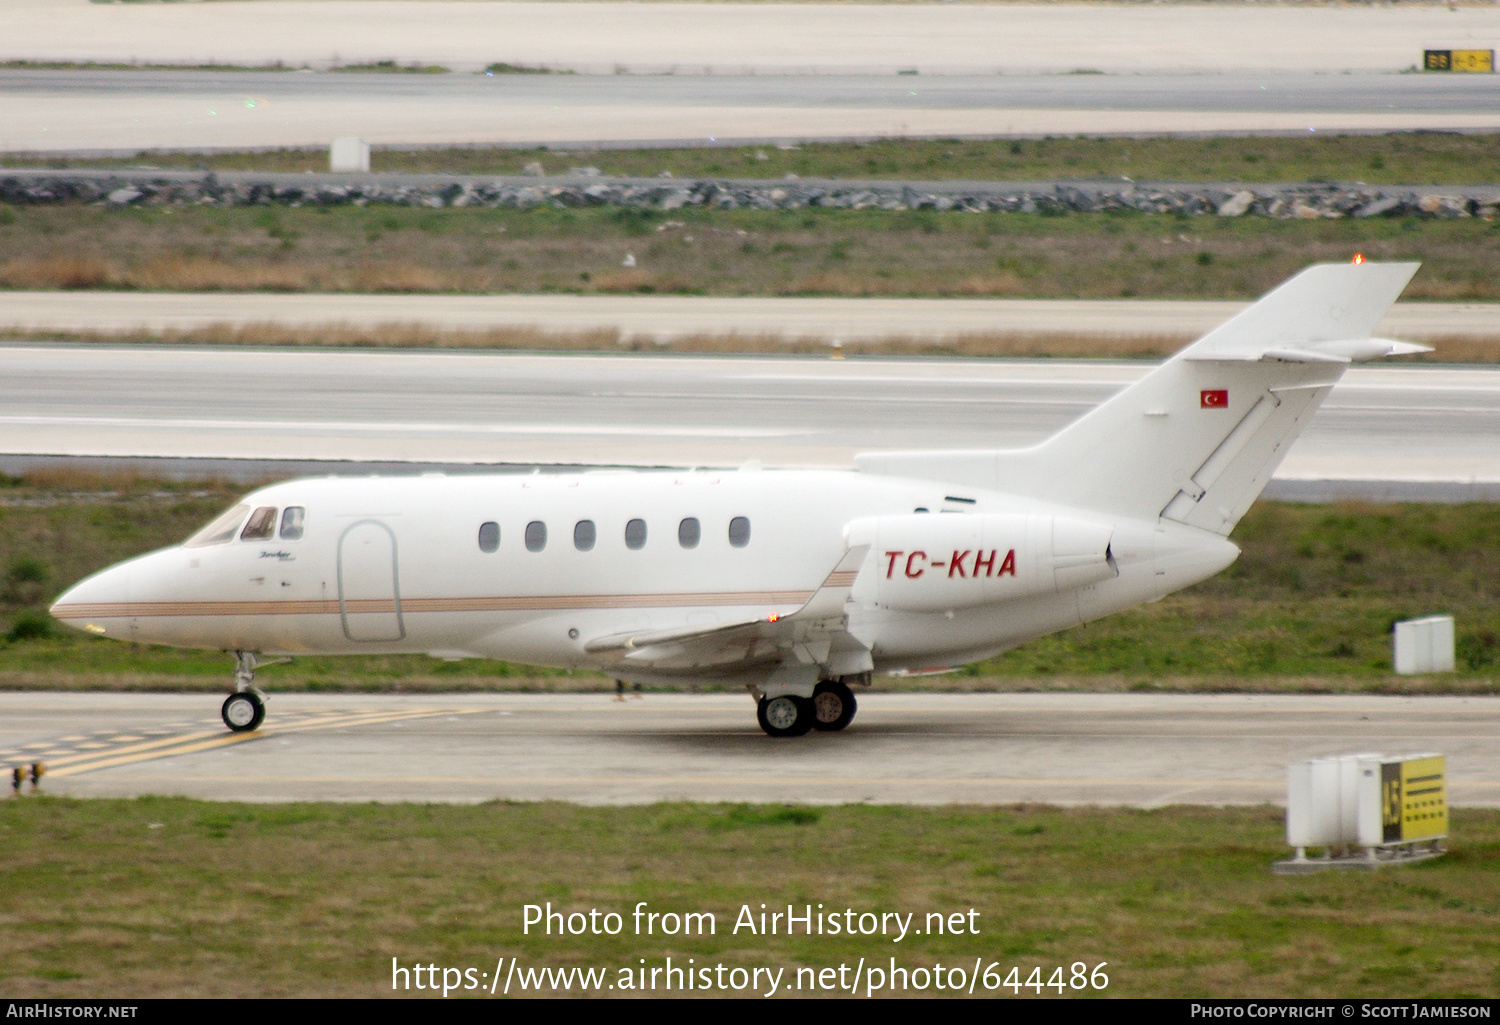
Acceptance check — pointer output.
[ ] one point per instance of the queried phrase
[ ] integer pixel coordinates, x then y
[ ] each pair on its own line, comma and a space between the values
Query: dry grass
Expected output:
178, 273
412, 335
740, 252
642, 282
395, 335
56, 272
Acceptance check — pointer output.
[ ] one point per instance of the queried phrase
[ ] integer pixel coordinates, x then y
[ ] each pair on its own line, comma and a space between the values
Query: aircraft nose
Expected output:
99, 604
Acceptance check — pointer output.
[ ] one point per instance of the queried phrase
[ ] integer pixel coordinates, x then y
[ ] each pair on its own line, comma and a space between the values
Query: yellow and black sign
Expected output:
1458, 60
1414, 799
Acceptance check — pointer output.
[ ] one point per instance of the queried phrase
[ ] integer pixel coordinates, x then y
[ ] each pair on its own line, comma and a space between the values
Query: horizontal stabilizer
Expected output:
1330, 308
1343, 350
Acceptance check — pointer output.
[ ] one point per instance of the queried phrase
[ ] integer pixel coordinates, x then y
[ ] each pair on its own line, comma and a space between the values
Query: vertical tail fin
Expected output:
1197, 438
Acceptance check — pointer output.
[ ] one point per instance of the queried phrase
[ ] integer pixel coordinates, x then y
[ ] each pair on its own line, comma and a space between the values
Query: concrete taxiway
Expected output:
1137, 750
1381, 423
749, 38
128, 111
704, 72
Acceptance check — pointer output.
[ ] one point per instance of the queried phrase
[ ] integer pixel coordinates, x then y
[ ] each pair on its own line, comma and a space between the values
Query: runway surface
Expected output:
1382, 423
760, 38
1138, 750
92, 111
681, 72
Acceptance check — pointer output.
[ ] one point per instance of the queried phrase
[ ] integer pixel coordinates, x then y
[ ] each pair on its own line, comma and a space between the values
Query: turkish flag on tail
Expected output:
1214, 398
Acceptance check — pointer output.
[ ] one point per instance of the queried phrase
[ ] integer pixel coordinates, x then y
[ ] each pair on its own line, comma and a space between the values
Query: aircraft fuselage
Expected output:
385, 565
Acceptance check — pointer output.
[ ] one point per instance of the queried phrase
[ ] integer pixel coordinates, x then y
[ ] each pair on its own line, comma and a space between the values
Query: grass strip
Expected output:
1429, 158
424, 336
172, 897
1308, 607
808, 252
999, 344
368, 68
67, 65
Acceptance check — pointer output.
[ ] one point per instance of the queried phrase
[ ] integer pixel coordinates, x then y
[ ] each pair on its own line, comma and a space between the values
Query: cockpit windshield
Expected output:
220, 530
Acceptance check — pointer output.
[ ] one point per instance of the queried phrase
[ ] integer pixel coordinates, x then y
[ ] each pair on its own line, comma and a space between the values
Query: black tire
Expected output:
833, 706
785, 715
243, 711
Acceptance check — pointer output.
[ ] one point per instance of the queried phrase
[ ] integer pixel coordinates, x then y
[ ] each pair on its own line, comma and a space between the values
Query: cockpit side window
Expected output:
222, 529
261, 526
291, 522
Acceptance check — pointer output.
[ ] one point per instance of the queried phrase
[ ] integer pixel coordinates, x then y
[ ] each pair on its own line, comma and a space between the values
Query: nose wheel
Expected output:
246, 707
243, 711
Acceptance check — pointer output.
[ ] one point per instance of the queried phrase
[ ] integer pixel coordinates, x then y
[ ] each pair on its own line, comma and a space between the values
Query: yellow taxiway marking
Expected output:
56, 764
64, 757
205, 740
219, 740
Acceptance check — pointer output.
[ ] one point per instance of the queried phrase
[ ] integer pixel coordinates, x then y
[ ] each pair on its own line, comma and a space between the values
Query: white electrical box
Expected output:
1383, 804
1322, 801
349, 154
1424, 645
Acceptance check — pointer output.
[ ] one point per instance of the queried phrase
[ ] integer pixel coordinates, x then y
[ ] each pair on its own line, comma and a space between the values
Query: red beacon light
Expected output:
1359, 257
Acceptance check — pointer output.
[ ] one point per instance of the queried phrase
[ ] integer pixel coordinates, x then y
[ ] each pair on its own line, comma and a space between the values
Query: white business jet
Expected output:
798, 585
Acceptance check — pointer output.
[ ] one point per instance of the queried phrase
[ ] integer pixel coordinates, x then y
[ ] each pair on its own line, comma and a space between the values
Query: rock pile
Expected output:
155, 188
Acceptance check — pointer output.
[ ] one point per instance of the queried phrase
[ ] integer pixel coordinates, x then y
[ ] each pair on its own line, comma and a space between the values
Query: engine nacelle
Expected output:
934, 562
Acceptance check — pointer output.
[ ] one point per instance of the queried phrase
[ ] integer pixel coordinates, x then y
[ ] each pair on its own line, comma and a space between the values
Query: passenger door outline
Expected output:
368, 628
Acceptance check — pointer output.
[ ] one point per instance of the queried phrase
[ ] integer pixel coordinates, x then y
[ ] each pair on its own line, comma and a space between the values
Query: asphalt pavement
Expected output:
752, 38
683, 72
1381, 423
129, 111
1135, 750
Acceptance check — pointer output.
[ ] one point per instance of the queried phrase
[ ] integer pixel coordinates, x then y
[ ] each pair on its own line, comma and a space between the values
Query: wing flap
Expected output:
803, 635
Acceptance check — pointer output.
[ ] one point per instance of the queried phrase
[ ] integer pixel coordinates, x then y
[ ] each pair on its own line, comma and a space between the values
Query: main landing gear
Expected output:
831, 708
246, 707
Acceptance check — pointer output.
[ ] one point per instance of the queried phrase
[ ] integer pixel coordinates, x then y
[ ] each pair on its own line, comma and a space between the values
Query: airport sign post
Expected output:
1458, 60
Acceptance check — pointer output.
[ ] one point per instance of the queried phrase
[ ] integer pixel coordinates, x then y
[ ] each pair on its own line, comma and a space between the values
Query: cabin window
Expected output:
536, 536
222, 529
689, 532
583, 535
635, 534
261, 526
291, 522
489, 536
739, 531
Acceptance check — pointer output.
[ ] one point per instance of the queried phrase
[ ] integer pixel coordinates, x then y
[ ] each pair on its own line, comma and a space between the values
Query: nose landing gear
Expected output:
243, 711
246, 707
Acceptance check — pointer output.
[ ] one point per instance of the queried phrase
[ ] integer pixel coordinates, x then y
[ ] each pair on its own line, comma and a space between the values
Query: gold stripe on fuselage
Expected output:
523, 603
